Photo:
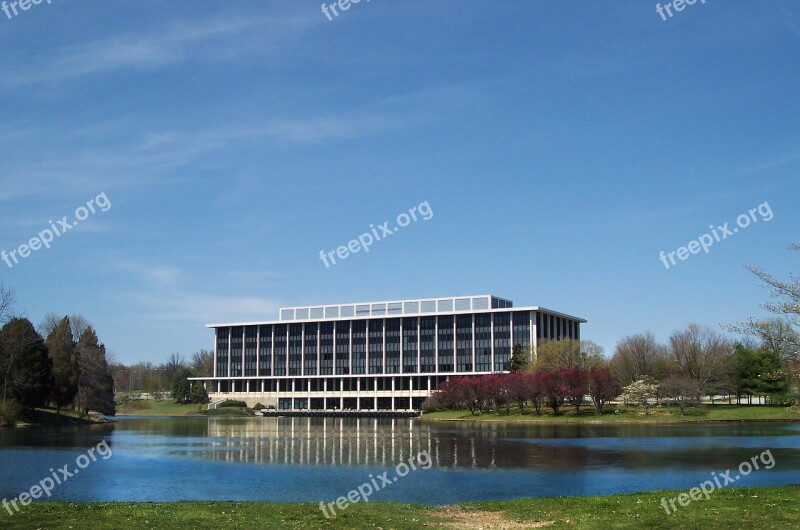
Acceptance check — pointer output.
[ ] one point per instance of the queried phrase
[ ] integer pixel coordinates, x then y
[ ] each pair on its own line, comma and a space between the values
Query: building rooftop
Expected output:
395, 307
419, 306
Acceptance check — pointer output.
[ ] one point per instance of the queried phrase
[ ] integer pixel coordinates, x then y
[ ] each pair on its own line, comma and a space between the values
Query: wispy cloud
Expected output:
209, 309
163, 293
206, 39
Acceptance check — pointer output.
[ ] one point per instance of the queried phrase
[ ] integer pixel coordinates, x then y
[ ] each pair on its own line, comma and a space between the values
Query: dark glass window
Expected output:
464, 343
376, 346
427, 337
250, 349
279, 348
483, 342
236, 351
310, 350
446, 343
265, 351
393, 346
326, 348
343, 347
502, 340
522, 328
221, 368
295, 348
539, 329
359, 347
410, 350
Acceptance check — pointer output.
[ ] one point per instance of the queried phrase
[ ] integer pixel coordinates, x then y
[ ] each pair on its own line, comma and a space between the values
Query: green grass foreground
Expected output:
752, 508
707, 413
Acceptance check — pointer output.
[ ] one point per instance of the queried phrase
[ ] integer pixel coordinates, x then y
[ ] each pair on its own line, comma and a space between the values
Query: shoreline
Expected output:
616, 422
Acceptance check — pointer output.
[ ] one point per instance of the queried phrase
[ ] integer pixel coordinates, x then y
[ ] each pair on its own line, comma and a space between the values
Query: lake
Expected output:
314, 459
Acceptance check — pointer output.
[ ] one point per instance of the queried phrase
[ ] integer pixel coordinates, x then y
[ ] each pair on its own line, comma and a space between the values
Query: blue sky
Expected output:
561, 147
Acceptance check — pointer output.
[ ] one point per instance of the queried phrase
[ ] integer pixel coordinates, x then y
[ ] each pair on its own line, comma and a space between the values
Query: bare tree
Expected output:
567, 353
682, 390
49, 323
7, 302
637, 356
174, 363
203, 363
701, 355
79, 324
776, 334
780, 335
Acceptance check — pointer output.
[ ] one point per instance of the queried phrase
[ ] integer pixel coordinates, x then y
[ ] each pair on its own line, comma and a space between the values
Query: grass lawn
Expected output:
159, 408
751, 508
229, 411
630, 415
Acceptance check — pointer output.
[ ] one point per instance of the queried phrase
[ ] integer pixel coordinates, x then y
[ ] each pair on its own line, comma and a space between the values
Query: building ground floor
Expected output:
367, 392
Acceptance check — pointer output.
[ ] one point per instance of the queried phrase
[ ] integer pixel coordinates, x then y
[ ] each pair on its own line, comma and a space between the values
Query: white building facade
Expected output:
374, 356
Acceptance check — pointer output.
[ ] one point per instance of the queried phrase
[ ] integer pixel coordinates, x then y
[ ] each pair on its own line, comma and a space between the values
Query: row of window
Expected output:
331, 385
448, 343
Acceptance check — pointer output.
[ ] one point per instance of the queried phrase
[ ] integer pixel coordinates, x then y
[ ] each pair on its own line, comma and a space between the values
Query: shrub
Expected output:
138, 404
232, 403
8, 413
258, 406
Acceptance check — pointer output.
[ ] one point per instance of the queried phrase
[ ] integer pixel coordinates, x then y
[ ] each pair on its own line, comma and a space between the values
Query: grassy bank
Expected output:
753, 508
158, 408
229, 411
630, 415
48, 417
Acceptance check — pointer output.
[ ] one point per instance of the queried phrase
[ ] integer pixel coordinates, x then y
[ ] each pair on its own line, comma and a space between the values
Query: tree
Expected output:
49, 323
603, 387
553, 388
788, 304
641, 392
25, 364
7, 302
65, 364
203, 363
535, 393
567, 353
78, 324
519, 388
199, 393
95, 383
181, 387
175, 362
682, 390
636, 356
776, 335
520, 358
702, 355
576, 386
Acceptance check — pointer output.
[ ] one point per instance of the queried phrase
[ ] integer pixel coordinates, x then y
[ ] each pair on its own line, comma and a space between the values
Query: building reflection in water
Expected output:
384, 442
379, 442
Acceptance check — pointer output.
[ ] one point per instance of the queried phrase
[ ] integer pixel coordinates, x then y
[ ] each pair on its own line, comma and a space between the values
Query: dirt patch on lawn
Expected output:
458, 517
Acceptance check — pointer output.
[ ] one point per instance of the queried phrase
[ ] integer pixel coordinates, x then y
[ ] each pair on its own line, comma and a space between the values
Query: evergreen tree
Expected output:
95, 383
519, 359
24, 364
65, 364
199, 393
181, 387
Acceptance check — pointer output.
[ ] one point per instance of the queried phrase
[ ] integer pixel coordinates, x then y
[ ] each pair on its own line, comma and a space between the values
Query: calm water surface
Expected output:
313, 459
